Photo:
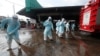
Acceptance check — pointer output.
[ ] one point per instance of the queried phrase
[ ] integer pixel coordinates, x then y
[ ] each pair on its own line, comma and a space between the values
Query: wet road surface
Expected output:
72, 44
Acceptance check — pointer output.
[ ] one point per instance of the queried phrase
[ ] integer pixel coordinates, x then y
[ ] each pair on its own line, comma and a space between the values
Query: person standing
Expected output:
28, 23
12, 30
73, 26
67, 26
48, 28
61, 28
57, 26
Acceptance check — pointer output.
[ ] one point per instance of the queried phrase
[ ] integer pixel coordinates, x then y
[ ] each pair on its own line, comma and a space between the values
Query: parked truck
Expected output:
90, 17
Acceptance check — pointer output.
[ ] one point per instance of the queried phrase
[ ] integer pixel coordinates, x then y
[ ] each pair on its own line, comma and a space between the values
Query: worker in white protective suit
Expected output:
73, 26
57, 26
61, 28
48, 28
12, 30
67, 26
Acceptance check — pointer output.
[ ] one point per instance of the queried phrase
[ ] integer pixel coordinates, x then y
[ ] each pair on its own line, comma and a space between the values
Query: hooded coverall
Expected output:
67, 26
12, 30
61, 28
73, 27
48, 28
57, 26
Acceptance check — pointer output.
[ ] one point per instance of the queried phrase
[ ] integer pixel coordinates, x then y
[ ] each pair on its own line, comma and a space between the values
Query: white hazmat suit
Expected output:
57, 26
48, 29
67, 26
61, 28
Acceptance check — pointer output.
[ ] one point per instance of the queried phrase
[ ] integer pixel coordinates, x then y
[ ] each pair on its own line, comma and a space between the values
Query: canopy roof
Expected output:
32, 4
71, 12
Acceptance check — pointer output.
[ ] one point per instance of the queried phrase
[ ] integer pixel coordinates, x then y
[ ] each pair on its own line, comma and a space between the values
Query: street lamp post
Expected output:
13, 8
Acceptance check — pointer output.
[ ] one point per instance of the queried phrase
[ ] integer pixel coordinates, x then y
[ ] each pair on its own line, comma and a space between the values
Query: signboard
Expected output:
86, 18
